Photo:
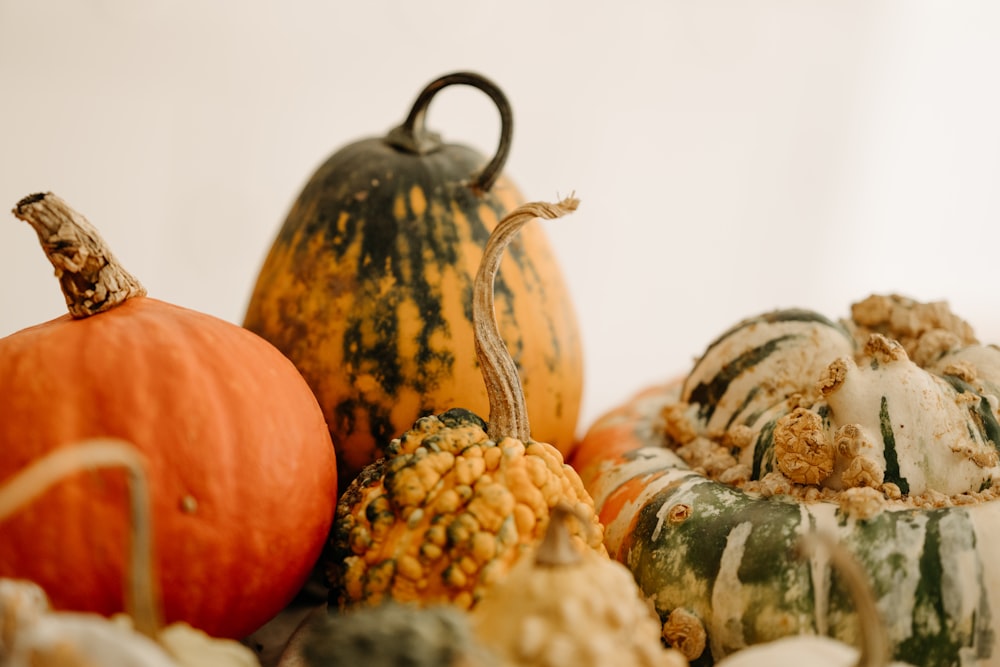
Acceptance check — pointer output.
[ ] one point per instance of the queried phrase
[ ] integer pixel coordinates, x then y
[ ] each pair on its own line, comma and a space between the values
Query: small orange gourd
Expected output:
241, 465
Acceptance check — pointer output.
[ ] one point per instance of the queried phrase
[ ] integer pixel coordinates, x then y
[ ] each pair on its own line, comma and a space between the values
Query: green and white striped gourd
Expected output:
823, 651
881, 430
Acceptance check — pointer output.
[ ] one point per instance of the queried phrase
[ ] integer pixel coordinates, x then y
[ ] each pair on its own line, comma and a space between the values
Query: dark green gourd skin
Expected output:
707, 394
924, 559
359, 184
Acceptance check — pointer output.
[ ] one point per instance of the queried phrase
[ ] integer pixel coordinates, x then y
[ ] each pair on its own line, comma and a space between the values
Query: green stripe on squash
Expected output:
707, 394
935, 573
892, 473
924, 565
750, 354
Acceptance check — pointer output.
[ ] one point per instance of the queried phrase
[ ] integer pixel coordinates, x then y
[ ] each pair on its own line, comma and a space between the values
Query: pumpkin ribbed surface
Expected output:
240, 474
447, 513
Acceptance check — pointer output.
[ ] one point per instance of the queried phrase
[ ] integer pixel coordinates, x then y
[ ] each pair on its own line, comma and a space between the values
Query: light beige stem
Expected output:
508, 412
556, 548
92, 280
874, 649
141, 598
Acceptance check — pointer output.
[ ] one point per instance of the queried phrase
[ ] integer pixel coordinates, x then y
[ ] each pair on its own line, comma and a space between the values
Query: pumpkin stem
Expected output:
874, 642
413, 135
508, 412
141, 599
92, 280
557, 548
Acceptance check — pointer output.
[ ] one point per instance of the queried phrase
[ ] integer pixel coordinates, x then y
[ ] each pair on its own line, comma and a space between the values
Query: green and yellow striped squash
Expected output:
725, 552
367, 289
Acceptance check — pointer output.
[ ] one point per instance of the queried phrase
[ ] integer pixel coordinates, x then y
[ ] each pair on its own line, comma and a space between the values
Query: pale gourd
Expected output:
563, 605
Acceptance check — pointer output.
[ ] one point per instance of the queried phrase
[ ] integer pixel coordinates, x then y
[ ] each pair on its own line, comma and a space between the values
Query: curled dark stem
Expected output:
414, 136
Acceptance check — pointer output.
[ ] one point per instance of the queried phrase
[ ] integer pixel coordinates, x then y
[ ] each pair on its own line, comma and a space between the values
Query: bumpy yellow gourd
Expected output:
455, 501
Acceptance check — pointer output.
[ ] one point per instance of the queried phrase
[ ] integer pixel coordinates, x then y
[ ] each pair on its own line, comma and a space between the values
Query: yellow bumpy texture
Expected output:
446, 513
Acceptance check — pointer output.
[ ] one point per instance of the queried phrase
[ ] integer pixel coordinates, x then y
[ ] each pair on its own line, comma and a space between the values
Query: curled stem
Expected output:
91, 278
874, 649
141, 598
508, 412
414, 136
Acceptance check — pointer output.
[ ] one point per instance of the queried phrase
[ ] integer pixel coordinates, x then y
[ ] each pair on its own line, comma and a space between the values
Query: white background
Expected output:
731, 156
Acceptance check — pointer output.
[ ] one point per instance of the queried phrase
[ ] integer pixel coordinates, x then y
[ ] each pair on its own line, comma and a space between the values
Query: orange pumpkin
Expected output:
240, 461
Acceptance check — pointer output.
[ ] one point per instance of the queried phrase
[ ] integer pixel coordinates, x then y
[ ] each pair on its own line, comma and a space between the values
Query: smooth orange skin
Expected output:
221, 418
609, 439
623, 428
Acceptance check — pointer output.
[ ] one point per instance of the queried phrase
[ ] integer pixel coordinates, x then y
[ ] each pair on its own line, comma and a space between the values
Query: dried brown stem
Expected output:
92, 280
508, 412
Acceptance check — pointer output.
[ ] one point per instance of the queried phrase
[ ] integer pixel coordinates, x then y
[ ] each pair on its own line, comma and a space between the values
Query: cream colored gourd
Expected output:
32, 634
821, 651
568, 606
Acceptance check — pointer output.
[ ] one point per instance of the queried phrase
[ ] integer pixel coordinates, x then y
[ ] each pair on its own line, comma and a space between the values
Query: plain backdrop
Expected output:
731, 156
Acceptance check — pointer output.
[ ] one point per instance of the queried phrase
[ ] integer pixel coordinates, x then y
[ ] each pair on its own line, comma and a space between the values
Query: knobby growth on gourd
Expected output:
141, 595
508, 412
895, 407
569, 606
92, 279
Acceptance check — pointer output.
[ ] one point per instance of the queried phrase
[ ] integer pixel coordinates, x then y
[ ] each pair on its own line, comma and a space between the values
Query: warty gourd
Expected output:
455, 501
881, 429
562, 605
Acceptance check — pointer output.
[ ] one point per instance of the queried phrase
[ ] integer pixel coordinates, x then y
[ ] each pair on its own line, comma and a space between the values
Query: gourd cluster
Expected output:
382, 464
